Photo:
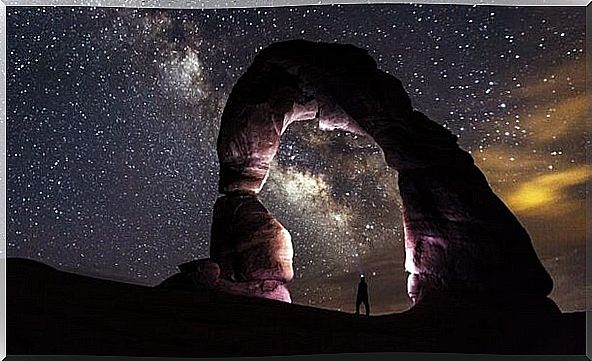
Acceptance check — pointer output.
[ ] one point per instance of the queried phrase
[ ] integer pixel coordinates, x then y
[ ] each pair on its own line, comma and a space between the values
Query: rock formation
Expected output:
459, 236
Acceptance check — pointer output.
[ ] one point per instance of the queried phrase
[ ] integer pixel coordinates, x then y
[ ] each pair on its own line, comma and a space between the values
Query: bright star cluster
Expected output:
113, 115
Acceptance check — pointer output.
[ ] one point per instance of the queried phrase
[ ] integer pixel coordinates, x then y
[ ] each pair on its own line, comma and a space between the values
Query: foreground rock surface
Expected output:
204, 274
56, 313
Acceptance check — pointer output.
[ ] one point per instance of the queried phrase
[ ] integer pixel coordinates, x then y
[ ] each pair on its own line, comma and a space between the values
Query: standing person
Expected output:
362, 296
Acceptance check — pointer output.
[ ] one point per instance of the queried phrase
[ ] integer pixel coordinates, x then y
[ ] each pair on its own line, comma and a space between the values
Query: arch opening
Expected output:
335, 194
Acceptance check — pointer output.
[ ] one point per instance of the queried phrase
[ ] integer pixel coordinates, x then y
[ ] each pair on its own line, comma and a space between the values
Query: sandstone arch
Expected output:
459, 237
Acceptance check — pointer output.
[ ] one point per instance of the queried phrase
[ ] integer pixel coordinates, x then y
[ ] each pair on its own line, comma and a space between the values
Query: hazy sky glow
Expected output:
113, 116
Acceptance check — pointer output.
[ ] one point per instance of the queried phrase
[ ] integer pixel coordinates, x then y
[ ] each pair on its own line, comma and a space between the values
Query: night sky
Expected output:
113, 116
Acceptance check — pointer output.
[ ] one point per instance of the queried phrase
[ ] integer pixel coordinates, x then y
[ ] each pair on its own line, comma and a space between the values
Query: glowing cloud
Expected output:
547, 195
561, 121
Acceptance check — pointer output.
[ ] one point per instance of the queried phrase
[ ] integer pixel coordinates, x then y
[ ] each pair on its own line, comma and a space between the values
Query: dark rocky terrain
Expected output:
54, 312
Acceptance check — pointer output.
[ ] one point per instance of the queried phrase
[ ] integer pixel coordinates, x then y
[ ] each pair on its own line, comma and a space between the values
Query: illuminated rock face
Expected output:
459, 236
250, 252
248, 243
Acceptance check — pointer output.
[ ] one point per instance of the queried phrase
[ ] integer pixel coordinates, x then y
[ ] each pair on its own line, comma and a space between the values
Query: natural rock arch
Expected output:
460, 238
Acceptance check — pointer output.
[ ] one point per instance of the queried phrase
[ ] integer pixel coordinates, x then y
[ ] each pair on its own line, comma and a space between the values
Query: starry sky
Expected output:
113, 115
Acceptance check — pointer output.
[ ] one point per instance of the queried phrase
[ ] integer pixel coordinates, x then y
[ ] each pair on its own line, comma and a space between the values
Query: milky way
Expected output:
113, 116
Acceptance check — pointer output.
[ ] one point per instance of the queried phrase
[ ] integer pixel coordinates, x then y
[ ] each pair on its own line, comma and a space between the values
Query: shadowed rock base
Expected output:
204, 274
251, 252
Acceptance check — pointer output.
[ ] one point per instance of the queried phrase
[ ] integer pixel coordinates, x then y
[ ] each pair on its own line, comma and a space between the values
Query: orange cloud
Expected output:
564, 120
541, 176
547, 195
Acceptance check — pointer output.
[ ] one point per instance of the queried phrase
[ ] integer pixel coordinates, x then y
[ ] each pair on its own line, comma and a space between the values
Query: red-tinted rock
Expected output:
207, 273
274, 290
248, 242
204, 274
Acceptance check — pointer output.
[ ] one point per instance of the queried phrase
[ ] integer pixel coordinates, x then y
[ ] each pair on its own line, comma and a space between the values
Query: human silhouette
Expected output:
362, 296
